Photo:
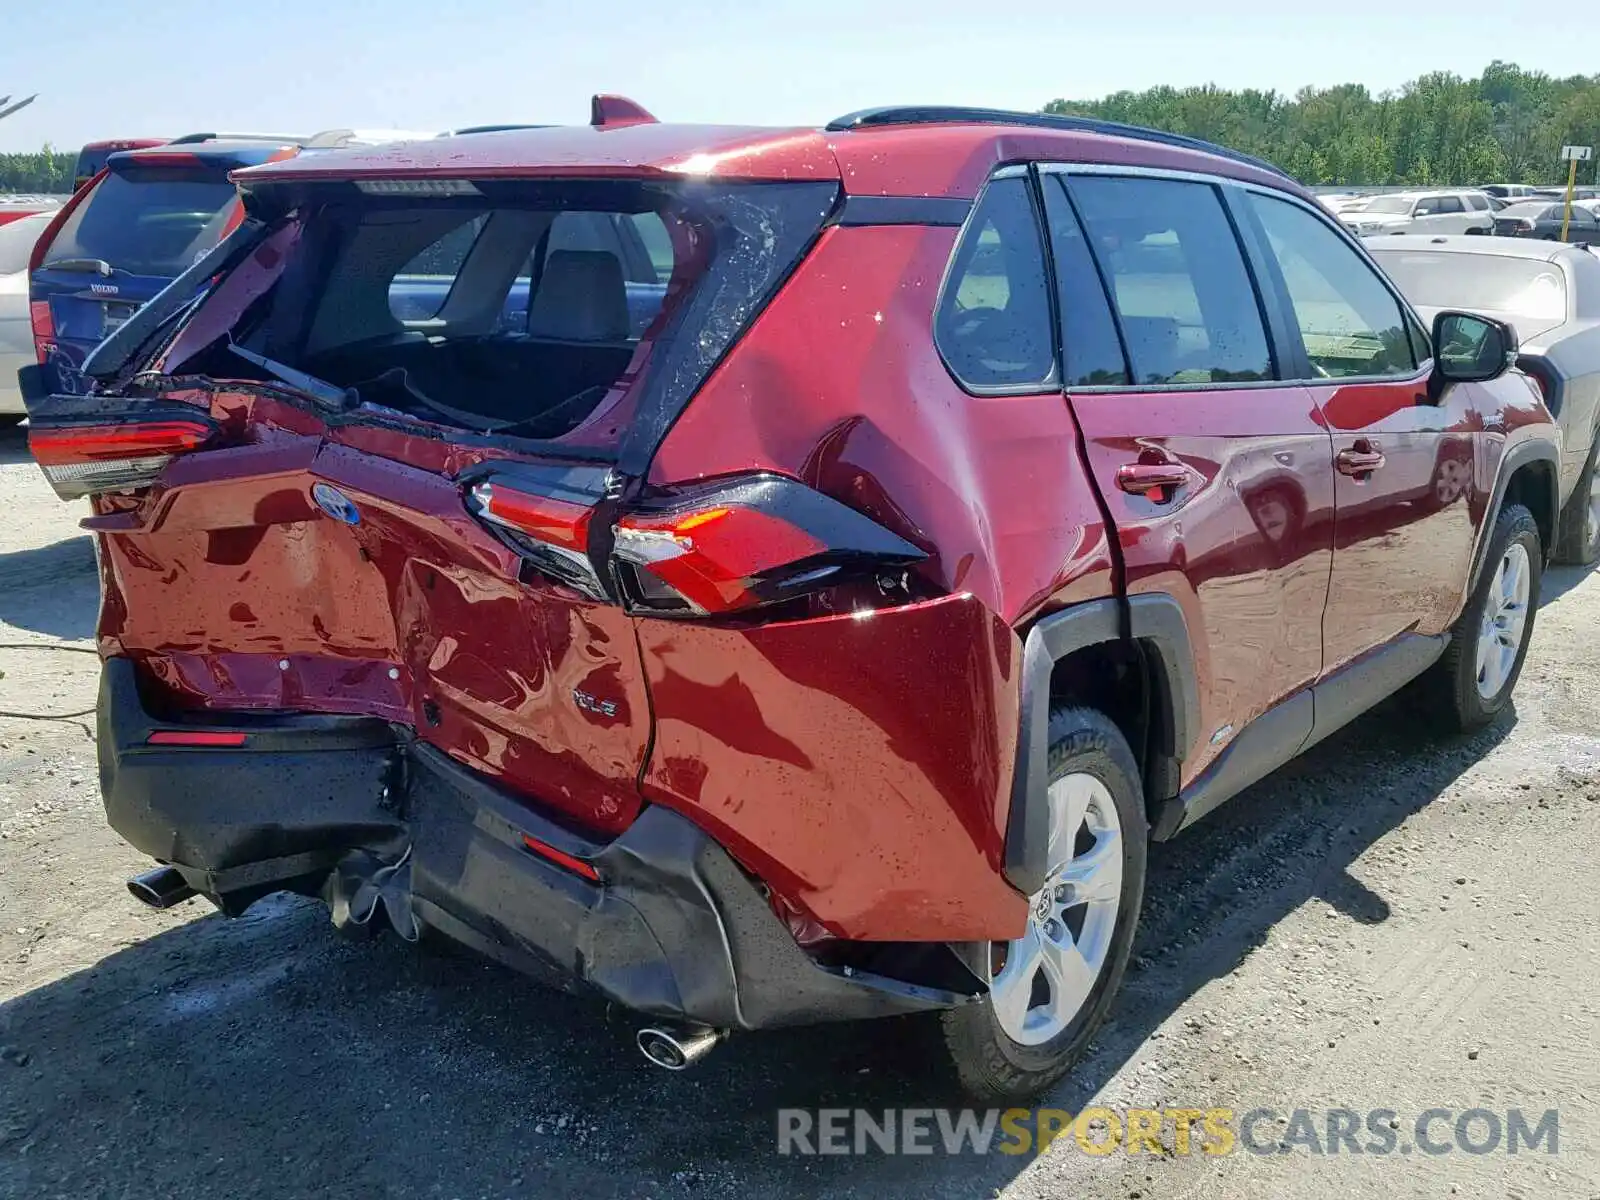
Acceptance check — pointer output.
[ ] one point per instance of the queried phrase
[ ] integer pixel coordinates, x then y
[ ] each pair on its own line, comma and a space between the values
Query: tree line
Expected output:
1506, 126
45, 171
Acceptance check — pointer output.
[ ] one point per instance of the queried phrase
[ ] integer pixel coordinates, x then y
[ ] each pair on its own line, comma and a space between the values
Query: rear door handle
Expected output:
1361, 459
1143, 479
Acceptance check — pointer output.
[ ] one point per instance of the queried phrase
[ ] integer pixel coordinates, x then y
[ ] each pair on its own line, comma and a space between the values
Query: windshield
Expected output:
1531, 293
147, 221
537, 310
1389, 204
1535, 211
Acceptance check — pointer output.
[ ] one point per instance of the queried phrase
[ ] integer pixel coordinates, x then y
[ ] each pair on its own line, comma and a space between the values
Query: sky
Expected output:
126, 68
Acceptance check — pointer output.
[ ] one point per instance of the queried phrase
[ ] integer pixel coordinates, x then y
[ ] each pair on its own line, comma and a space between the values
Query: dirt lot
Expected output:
1388, 924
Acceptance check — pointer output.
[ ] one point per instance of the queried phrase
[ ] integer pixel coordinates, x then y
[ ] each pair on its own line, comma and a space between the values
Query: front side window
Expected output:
1350, 322
993, 325
1184, 299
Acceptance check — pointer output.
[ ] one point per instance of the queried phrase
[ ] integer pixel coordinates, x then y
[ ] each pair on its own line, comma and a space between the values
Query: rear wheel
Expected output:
1051, 987
1473, 679
1579, 539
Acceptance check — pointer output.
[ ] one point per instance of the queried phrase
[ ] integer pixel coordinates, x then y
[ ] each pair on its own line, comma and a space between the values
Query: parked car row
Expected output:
1513, 210
766, 576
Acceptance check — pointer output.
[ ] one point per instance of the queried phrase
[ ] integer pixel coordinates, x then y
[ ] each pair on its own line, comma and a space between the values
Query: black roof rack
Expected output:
942, 114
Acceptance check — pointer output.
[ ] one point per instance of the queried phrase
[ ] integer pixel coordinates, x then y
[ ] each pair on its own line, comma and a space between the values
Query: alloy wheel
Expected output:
1049, 972
1505, 620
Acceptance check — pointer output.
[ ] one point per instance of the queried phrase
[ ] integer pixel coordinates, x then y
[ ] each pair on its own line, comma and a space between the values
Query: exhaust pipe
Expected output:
160, 888
677, 1049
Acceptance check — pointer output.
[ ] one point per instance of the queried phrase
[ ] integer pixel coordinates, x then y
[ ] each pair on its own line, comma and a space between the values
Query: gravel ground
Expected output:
1389, 923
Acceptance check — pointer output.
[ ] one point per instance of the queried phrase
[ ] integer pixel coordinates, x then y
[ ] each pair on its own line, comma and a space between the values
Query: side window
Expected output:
1478, 203
420, 288
1088, 330
1350, 322
1428, 208
1177, 277
1450, 204
993, 325
657, 244
1421, 350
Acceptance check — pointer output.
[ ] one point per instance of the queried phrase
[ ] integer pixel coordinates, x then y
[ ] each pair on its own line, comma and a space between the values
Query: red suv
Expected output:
984, 497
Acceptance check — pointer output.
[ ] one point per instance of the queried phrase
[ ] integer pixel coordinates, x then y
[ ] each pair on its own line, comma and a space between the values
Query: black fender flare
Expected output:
1155, 619
1516, 456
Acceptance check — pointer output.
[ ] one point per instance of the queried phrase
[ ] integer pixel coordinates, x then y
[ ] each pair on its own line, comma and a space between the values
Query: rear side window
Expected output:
993, 325
1092, 348
1183, 295
1350, 322
148, 222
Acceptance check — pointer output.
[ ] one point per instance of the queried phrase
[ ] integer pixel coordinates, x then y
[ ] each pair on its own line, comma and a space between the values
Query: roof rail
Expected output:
190, 138
930, 114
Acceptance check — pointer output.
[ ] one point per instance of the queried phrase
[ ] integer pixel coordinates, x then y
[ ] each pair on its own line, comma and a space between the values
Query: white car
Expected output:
16, 333
1454, 211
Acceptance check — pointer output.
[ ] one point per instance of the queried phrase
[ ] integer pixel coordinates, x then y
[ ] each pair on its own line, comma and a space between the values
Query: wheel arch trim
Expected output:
1155, 619
1517, 456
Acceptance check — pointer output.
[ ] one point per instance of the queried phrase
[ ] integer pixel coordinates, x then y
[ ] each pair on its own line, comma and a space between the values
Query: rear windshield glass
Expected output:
147, 222
543, 311
1531, 292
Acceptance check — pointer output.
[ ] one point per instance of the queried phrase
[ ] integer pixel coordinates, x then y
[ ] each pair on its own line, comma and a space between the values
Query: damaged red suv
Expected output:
775, 576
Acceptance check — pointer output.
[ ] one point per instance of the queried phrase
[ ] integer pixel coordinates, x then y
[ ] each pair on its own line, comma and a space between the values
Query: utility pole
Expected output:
1572, 155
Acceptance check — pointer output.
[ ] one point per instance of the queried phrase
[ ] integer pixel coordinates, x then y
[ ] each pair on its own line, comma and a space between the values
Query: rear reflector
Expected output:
194, 737
81, 460
561, 858
43, 323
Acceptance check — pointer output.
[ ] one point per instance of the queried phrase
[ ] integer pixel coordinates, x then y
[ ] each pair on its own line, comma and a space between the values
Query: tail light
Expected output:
43, 324
724, 548
82, 460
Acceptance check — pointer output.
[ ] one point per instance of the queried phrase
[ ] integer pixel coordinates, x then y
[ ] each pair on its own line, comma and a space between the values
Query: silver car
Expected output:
1550, 294
16, 332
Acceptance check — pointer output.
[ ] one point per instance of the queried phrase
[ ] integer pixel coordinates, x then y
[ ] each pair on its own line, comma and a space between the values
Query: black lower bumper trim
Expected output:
673, 929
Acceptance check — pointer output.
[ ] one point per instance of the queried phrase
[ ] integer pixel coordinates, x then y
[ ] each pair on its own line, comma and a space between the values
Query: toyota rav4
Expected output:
822, 627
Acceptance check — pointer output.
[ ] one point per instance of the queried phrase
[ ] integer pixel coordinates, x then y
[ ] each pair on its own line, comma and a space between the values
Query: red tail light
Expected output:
43, 324
81, 460
195, 737
561, 858
752, 541
748, 541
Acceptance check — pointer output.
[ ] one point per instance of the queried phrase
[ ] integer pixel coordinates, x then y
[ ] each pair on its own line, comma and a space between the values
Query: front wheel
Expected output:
1050, 988
1578, 541
1473, 679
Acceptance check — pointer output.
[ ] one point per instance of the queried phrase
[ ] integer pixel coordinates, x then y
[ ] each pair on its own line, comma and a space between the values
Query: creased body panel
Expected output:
991, 486
235, 591
858, 764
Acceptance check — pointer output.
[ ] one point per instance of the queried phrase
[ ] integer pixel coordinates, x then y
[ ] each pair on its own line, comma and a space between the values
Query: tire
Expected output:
1458, 692
1578, 536
1088, 757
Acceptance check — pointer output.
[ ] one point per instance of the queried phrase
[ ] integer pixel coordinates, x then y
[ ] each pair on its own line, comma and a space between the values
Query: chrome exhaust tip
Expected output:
676, 1049
162, 887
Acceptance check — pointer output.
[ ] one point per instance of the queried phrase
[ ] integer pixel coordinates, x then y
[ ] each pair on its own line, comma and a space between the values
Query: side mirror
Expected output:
1468, 348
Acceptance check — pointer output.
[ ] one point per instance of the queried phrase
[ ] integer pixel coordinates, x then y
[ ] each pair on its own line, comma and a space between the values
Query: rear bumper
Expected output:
355, 810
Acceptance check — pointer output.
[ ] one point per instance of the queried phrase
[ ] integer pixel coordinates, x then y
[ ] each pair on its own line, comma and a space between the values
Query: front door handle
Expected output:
1360, 460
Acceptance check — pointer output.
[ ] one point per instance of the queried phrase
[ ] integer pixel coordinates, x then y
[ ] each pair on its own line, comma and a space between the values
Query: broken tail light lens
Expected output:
753, 541
550, 531
82, 460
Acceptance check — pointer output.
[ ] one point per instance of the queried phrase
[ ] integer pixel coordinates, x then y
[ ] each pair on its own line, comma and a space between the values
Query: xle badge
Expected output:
335, 503
606, 708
